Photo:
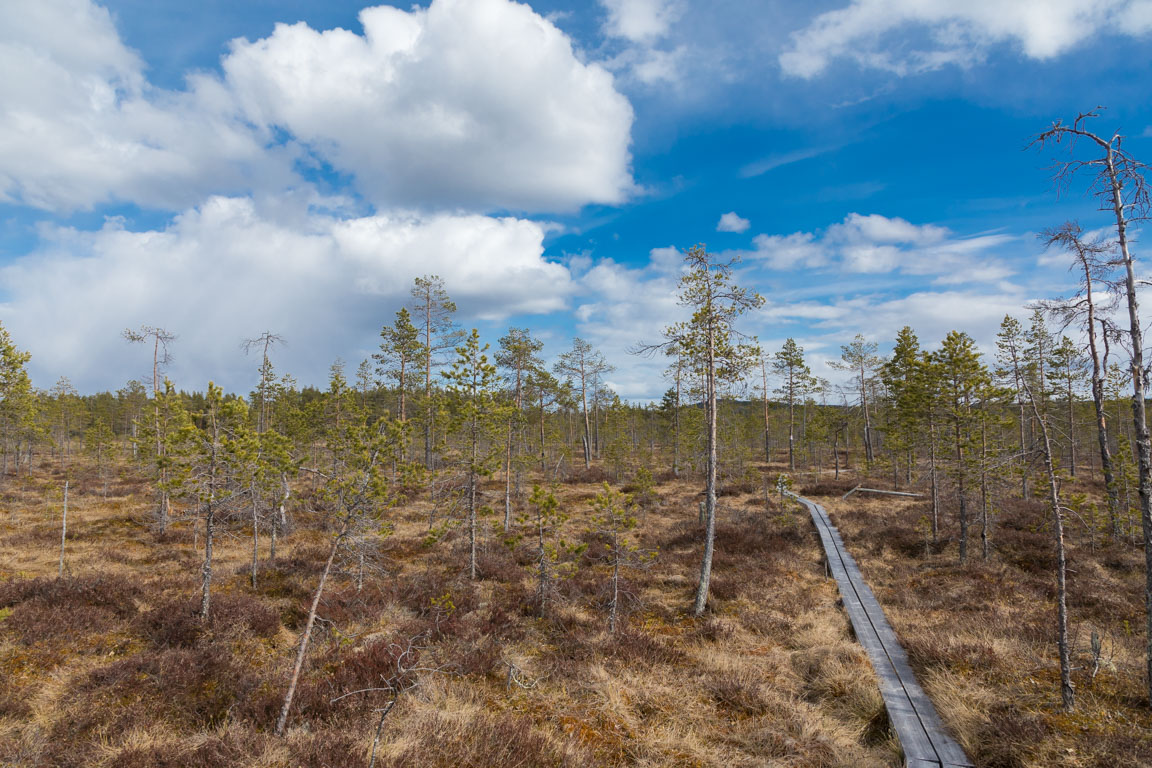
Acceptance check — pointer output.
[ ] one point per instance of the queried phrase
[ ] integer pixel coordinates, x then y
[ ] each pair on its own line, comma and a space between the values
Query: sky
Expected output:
223, 169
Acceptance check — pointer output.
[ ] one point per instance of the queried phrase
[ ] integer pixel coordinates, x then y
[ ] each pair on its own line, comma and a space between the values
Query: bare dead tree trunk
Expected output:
302, 649
1099, 369
1067, 692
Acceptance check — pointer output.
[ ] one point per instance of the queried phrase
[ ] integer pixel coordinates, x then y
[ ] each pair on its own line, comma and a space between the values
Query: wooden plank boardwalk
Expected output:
925, 741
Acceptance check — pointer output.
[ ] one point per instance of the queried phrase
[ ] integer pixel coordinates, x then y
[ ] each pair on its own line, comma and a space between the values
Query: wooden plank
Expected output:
922, 735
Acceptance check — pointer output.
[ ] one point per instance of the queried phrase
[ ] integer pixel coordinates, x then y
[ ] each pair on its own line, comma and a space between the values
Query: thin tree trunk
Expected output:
1067, 692
63, 530
1139, 419
472, 503
615, 581
701, 600
1099, 368
508, 481
983, 486
960, 492
935, 484
302, 649
1071, 429
206, 568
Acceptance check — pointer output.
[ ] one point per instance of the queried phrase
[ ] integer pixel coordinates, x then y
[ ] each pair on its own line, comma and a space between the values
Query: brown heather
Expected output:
110, 667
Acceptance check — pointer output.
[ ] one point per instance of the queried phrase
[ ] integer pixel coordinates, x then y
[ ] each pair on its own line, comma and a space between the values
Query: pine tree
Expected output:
400, 352
582, 366
860, 359
100, 444
710, 341
17, 405
905, 385
796, 377
614, 521
478, 416
553, 556
1010, 342
160, 359
1066, 368
519, 355
433, 311
962, 377
354, 496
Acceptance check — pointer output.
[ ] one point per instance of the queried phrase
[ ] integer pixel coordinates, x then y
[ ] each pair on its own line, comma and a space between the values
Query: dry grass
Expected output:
982, 639
108, 667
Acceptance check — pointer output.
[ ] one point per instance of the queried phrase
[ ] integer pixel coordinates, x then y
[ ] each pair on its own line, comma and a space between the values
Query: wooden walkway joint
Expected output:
922, 735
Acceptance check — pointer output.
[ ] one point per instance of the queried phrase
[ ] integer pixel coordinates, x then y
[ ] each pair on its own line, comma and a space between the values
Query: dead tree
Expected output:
1118, 181
1091, 260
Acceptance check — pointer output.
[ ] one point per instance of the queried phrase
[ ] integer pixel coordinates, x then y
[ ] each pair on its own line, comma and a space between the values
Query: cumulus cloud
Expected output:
229, 269
79, 124
480, 104
956, 33
879, 244
732, 222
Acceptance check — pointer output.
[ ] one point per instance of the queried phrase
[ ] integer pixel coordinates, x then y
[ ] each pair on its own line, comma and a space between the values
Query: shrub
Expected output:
176, 623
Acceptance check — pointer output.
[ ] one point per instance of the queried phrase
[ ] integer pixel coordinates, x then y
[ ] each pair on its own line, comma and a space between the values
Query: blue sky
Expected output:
222, 169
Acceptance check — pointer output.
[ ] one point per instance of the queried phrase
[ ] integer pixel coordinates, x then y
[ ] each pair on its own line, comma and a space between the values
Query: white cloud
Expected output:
879, 244
80, 125
231, 268
731, 222
643, 27
480, 104
957, 33
642, 21
783, 252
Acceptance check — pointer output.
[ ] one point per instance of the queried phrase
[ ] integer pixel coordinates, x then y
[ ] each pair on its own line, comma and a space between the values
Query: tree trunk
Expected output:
933, 477
255, 535
63, 531
701, 600
1067, 692
615, 581
472, 502
1098, 371
206, 568
302, 649
1139, 420
962, 496
508, 481
983, 487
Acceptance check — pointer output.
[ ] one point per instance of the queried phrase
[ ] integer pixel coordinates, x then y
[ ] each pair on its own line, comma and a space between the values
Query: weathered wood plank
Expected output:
922, 735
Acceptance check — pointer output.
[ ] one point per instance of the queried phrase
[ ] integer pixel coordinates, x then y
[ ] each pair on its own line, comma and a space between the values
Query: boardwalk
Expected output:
925, 742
